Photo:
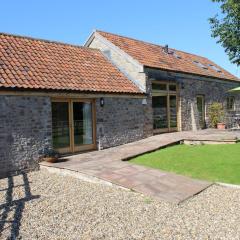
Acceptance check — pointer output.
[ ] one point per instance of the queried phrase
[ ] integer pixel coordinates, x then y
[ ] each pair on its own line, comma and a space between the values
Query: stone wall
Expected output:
25, 132
135, 73
26, 127
213, 91
190, 86
122, 120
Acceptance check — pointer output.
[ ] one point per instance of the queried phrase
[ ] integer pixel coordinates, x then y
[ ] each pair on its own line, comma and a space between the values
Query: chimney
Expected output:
165, 49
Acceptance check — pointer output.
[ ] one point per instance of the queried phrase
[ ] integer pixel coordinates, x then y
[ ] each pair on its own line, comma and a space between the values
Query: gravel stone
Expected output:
59, 207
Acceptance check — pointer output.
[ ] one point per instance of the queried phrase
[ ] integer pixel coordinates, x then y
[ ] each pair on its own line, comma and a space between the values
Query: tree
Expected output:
227, 28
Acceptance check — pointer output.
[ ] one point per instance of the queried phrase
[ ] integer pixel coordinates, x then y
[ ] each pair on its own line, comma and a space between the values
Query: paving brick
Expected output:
155, 183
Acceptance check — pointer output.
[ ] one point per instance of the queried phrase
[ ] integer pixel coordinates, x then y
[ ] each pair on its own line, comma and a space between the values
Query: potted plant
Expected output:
221, 126
216, 116
50, 156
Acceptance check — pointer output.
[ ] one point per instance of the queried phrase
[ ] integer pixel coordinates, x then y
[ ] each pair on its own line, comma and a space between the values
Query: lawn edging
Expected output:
228, 185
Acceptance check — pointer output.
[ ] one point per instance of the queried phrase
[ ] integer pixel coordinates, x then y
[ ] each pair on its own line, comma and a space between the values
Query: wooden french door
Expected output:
160, 113
73, 125
164, 113
165, 106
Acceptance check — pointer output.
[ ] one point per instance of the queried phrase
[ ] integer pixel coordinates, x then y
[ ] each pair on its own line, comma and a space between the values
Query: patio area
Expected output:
109, 165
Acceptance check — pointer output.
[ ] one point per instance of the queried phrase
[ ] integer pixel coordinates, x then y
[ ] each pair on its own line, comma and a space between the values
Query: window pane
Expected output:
172, 87
160, 119
173, 111
156, 86
230, 103
201, 110
60, 125
82, 119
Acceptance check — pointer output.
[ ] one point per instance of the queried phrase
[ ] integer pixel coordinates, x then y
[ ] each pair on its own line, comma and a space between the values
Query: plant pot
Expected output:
221, 126
50, 159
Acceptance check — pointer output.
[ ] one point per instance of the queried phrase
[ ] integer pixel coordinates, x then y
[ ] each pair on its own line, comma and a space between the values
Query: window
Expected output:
176, 55
201, 110
200, 65
171, 52
215, 68
172, 87
230, 103
157, 86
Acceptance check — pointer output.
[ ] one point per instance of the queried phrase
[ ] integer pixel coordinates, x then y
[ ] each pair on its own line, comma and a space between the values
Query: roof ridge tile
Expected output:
149, 43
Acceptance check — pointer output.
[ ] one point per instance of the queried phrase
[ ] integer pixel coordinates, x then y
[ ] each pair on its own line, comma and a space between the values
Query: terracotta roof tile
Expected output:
152, 55
40, 64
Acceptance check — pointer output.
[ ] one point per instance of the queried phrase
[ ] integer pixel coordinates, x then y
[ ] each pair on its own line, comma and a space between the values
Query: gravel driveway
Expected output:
43, 205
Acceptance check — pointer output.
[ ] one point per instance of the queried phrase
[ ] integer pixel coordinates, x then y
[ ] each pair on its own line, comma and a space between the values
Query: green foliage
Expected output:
218, 163
216, 114
227, 28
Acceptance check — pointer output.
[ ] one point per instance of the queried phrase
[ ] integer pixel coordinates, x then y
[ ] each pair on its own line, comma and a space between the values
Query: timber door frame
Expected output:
168, 93
72, 147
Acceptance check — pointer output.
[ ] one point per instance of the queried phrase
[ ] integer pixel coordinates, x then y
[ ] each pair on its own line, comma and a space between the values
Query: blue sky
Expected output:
180, 24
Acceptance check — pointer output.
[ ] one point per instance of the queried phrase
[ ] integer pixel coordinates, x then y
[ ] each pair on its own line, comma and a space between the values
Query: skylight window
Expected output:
176, 55
200, 65
171, 52
215, 68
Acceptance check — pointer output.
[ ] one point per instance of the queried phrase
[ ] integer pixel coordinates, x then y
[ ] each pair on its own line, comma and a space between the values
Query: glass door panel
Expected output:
82, 122
165, 106
160, 112
72, 125
60, 126
173, 111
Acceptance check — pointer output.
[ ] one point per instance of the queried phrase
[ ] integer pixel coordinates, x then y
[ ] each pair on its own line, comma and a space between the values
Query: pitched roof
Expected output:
152, 55
40, 64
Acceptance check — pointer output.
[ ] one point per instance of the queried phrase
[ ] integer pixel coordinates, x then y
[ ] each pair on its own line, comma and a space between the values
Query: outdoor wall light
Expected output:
144, 101
101, 101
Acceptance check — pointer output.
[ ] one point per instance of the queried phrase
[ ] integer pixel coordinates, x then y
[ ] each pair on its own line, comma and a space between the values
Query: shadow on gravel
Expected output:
14, 207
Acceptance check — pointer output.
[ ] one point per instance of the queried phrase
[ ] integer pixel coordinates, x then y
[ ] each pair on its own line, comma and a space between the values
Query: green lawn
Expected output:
220, 163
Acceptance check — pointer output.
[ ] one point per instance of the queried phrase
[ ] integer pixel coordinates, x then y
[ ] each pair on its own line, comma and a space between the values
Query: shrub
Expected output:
216, 114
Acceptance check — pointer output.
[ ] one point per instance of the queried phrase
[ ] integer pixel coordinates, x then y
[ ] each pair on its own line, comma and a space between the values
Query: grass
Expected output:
218, 163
